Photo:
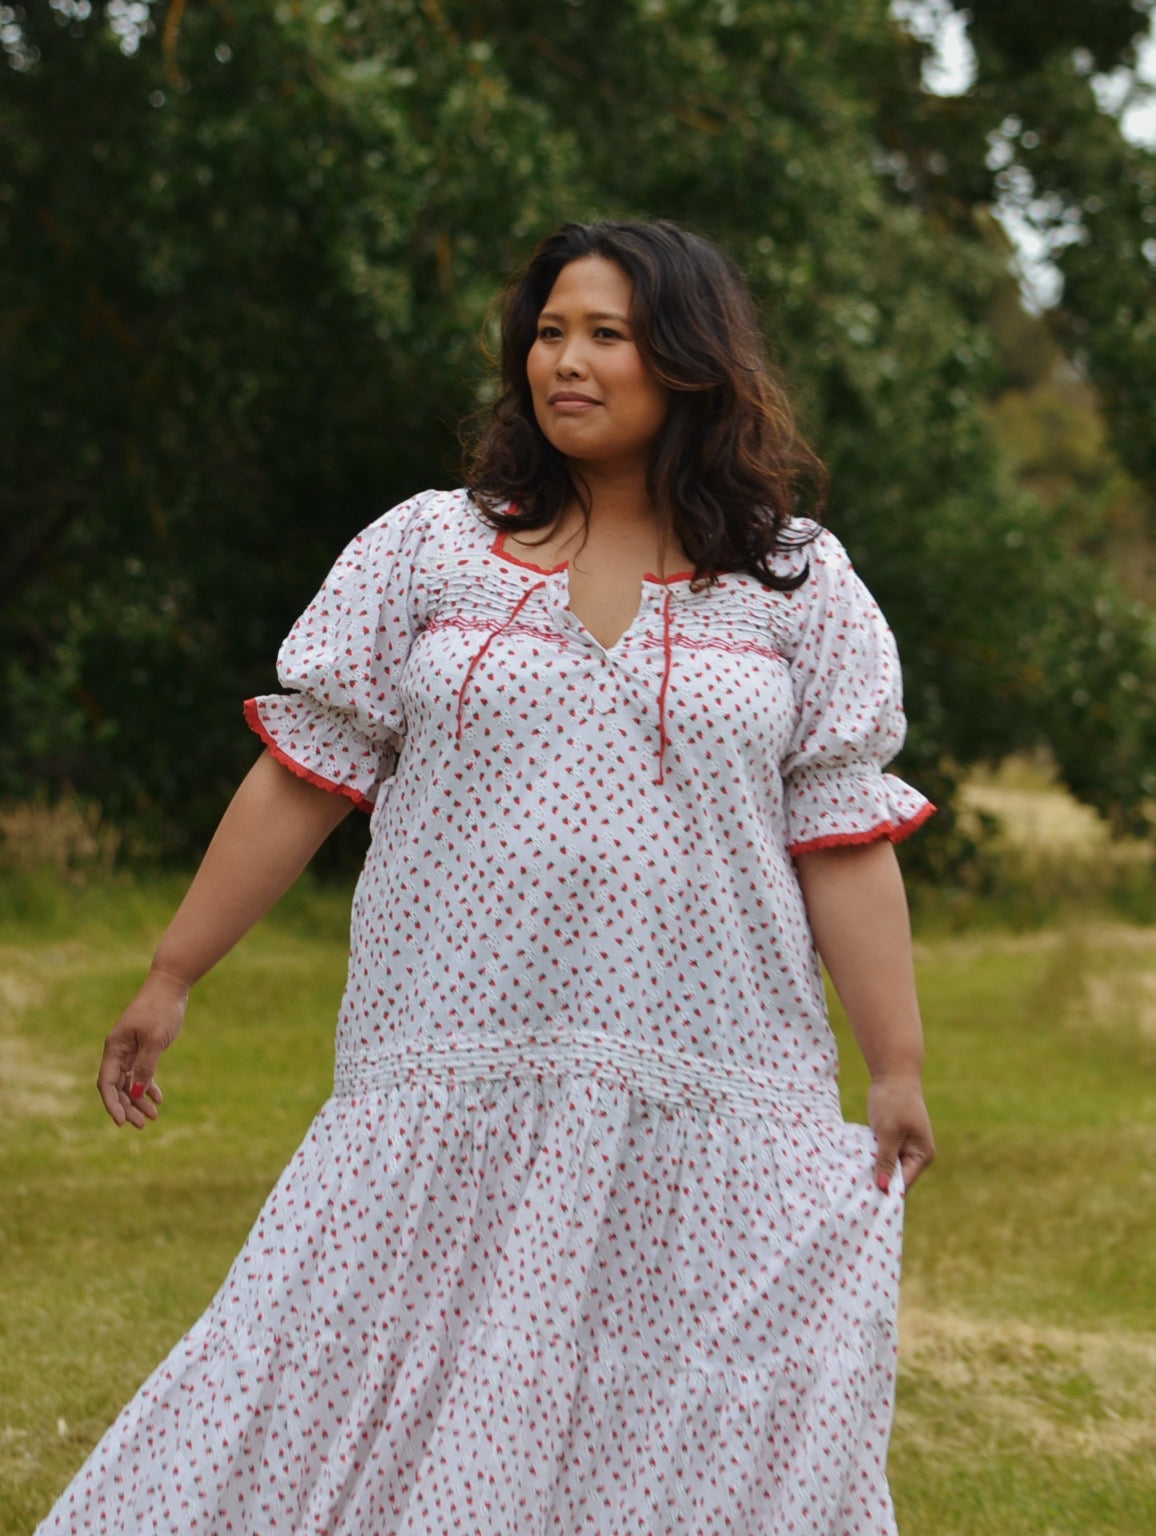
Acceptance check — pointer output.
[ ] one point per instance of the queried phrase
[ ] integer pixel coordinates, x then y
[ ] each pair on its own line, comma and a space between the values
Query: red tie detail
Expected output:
667, 658
663, 738
489, 640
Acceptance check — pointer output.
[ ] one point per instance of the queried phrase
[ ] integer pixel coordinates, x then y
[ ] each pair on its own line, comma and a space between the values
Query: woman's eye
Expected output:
606, 332
548, 332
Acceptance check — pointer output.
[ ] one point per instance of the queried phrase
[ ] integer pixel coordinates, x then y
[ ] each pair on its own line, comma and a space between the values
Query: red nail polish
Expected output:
137, 1091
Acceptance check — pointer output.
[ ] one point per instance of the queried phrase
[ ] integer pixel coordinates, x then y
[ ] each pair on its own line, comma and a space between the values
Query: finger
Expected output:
142, 1087
110, 1097
146, 1100
915, 1160
141, 1077
886, 1156
108, 1085
143, 1095
134, 1115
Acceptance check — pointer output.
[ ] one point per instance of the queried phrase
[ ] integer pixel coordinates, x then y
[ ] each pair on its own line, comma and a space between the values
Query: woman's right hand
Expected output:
148, 1026
274, 825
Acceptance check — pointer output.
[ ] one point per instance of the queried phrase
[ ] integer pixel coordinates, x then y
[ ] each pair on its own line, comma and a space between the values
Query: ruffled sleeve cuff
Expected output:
320, 744
844, 809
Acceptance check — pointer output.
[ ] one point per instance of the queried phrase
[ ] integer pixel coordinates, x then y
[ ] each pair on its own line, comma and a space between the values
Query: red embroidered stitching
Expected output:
455, 621
732, 647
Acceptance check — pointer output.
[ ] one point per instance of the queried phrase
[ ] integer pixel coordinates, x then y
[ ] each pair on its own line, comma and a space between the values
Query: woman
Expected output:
581, 1241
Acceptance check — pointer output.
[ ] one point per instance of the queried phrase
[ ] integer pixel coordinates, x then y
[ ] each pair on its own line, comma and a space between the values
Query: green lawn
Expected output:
1027, 1402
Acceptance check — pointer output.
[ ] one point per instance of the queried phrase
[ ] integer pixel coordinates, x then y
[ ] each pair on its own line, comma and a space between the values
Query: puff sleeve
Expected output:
849, 717
341, 724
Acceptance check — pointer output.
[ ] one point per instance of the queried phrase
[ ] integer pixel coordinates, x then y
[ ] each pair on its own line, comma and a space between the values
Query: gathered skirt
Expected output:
528, 1292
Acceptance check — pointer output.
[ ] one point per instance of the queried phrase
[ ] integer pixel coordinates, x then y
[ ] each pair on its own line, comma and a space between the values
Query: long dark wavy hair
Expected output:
729, 468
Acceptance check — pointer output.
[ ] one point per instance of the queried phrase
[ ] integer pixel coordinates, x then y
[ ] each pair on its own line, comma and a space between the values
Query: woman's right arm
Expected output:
274, 825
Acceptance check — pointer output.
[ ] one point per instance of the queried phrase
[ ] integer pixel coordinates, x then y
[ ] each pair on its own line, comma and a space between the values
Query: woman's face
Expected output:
593, 395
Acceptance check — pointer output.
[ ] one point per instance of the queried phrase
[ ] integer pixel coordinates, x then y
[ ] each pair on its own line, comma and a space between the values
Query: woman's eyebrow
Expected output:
597, 314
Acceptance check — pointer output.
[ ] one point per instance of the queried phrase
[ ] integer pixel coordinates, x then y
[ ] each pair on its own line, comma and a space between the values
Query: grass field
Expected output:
1027, 1401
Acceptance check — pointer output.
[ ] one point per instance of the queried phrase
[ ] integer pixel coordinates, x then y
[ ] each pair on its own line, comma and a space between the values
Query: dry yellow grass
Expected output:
1043, 818
1067, 1392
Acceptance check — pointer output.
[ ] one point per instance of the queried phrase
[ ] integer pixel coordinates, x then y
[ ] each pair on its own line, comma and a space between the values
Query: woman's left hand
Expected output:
902, 1129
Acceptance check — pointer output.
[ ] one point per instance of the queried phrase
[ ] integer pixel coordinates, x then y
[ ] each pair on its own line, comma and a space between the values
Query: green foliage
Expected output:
245, 269
1016, 33
1030, 132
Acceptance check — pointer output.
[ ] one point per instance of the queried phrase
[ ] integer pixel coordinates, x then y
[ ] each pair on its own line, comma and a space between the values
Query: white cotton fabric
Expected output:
581, 1242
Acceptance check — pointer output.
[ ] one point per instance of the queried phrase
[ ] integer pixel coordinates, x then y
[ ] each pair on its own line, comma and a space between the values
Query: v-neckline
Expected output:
589, 633
563, 567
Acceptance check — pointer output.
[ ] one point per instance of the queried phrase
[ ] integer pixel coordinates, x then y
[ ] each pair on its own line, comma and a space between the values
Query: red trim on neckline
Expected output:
497, 548
527, 565
895, 832
255, 723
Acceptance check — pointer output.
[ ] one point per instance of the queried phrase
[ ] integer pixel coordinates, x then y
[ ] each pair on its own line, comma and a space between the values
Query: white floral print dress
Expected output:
581, 1242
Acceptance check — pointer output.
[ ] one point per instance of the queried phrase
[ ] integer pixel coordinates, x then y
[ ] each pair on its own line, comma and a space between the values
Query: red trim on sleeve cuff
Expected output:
895, 832
255, 723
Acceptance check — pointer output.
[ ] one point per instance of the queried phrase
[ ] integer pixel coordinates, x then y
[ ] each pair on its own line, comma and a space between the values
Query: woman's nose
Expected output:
571, 362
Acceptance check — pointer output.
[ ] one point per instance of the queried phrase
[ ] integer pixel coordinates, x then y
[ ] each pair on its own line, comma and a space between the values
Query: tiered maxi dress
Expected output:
581, 1242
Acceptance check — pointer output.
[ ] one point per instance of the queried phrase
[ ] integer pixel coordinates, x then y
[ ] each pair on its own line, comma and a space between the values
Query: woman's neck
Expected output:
616, 499
622, 525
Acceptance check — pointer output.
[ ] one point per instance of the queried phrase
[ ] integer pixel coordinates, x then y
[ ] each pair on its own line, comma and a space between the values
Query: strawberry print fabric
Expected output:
580, 1243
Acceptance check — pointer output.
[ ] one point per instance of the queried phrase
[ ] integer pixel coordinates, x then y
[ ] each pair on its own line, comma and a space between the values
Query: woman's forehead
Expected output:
593, 287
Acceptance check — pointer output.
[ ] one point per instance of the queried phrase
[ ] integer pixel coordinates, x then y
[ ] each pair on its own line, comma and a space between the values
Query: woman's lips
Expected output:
571, 405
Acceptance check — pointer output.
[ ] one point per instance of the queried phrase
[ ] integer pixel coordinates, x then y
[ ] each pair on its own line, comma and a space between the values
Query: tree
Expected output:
247, 264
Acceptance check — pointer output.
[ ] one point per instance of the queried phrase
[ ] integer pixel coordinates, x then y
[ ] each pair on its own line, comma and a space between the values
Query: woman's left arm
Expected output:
858, 913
